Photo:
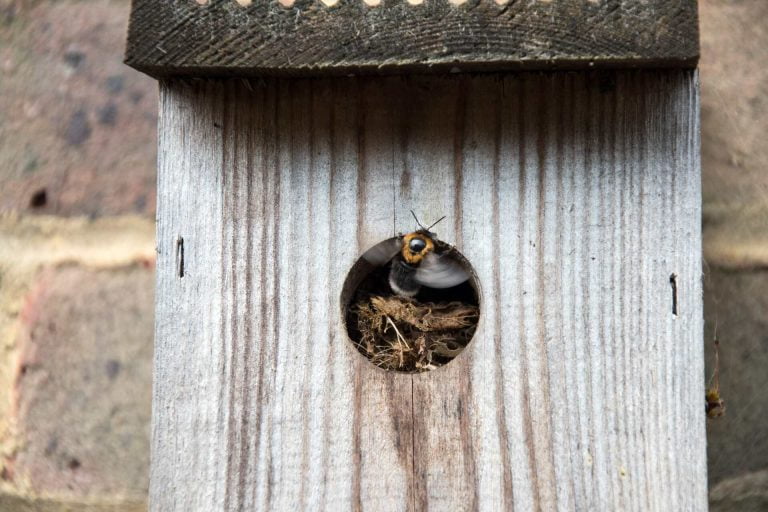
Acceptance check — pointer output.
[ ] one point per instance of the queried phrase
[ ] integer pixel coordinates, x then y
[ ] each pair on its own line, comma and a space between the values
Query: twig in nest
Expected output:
403, 334
400, 340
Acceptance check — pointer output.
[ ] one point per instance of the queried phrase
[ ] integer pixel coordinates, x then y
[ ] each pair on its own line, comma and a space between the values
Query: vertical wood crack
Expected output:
180, 256
673, 283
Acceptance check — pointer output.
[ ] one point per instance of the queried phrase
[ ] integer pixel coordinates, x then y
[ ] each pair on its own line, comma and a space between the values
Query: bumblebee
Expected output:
416, 260
715, 405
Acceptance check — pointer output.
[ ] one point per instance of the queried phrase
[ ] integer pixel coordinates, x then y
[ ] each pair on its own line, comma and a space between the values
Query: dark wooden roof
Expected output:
226, 38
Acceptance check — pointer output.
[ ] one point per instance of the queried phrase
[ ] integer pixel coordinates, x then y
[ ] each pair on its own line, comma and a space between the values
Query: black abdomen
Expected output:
402, 278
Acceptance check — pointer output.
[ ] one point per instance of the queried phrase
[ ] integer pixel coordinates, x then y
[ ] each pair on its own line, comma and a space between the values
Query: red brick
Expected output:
77, 127
83, 386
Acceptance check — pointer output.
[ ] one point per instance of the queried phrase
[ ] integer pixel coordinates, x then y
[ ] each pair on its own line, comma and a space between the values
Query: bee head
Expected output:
416, 245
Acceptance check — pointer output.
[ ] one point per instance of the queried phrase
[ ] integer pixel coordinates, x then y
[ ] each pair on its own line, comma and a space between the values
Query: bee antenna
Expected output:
431, 226
417, 221
435, 223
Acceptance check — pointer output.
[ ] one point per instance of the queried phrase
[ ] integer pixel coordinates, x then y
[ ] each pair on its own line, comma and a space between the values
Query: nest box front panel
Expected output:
574, 197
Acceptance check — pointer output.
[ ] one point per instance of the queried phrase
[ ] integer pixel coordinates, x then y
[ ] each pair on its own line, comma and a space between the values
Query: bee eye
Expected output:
417, 245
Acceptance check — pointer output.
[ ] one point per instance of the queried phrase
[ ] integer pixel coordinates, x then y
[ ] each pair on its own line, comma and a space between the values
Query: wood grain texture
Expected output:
575, 196
169, 38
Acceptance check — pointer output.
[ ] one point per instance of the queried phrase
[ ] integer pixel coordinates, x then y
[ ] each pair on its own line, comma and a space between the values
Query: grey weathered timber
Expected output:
223, 38
575, 196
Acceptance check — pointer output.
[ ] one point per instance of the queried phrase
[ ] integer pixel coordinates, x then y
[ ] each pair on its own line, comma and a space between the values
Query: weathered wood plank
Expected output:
223, 38
575, 196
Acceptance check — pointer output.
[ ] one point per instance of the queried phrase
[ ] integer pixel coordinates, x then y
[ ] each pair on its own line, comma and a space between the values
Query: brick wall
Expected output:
77, 198
734, 114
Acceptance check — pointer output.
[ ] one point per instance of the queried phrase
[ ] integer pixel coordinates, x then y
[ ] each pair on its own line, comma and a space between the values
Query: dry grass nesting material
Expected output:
398, 333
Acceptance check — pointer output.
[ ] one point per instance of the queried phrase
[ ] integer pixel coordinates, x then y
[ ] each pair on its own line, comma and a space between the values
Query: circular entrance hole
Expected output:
415, 333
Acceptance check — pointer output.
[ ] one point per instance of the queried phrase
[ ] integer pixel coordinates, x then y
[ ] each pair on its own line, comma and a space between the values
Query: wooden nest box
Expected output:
561, 140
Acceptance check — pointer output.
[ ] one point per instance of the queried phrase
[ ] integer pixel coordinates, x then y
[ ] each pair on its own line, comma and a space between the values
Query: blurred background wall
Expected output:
77, 200
734, 114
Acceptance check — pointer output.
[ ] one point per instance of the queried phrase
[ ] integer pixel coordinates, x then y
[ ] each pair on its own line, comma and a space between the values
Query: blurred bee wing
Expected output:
382, 252
440, 272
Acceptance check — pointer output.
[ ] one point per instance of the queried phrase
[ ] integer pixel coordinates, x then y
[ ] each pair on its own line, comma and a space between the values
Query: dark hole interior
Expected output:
366, 281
